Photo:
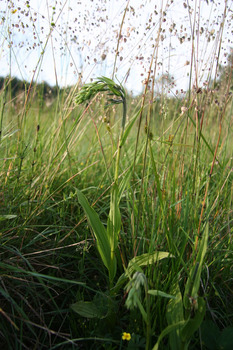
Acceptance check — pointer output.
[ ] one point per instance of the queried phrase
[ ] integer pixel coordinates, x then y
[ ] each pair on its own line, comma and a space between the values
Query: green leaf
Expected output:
203, 138
193, 282
106, 80
86, 309
103, 244
146, 259
166, 331
160, 195
200, 258
159, 293
135, 264
7, 217
98, 307
213, 339
210, 335
194, 323
40, 276
114, 219
141, 308
129, 127
113, 227
226, 339
124, 182
175, 315
114, 90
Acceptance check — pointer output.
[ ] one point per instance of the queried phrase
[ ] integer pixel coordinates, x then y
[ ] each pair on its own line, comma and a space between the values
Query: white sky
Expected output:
85, 31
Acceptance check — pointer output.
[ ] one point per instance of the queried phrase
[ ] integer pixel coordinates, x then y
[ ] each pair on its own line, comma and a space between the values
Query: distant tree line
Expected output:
16, 86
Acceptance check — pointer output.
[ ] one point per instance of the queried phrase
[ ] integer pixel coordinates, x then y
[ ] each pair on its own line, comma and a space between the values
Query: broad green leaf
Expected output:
146, 259
159, 293
168, 330
210, 335
194, 323
193, 282
135, 265
226, 339
200, 258
86, 309
100, 233
98, 307
174, 315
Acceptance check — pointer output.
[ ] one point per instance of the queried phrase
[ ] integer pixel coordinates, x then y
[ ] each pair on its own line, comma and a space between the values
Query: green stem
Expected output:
116, 179
119, 142
148, 323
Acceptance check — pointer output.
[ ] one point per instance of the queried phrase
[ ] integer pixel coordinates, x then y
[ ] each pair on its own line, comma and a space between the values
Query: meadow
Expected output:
116, 213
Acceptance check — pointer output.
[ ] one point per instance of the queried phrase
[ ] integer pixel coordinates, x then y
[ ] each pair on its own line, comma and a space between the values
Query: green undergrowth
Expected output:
176, 198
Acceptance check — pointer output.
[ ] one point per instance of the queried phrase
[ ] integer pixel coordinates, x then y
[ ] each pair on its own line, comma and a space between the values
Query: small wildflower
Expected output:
126, 336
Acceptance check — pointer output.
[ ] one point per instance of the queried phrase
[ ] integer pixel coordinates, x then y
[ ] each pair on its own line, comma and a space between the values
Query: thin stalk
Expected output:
119, 37
148, 324
3, 104
140, 120
213, 162
119, 142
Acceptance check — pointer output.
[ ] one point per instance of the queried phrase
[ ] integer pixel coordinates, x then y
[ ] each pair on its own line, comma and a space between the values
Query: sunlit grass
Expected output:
172, 161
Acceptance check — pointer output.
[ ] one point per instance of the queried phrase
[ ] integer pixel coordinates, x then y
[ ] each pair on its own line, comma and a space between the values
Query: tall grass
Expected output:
159, 185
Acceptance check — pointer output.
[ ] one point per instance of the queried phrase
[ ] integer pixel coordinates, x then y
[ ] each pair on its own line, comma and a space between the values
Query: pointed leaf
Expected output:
114, 219
193, 282
194, 323
159, 293
86, 309
146, 259
129, 127
175, 315
166, 331
7, 217
100, 233
124, 182
113, 227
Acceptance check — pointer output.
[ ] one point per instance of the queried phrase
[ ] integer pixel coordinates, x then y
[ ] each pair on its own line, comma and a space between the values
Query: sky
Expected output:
61, 42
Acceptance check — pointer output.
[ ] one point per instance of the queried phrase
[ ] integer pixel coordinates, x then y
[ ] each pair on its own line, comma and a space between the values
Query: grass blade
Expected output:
103, 244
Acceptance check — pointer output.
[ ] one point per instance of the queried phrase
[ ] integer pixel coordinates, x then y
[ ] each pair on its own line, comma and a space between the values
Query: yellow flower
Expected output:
126, 336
